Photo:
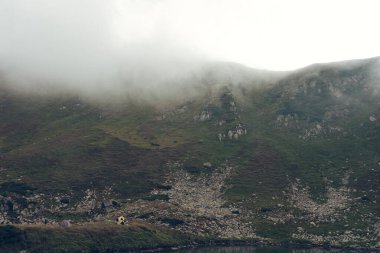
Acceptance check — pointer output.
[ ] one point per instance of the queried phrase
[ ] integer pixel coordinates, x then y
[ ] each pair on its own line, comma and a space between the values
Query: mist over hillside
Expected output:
163, 85
150, 50
198, 121
225, 151
171, 84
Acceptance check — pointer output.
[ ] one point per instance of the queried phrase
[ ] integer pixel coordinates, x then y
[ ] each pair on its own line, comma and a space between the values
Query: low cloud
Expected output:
76, 46
154, 48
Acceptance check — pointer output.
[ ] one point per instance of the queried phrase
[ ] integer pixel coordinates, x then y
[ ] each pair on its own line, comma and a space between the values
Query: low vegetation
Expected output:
88, 237
302, 152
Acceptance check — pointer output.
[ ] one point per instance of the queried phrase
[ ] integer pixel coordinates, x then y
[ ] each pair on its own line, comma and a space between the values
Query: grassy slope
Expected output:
65, 144
278, 152
91, 237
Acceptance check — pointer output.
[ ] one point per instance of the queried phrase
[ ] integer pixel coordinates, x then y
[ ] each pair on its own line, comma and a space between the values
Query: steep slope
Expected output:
289, 159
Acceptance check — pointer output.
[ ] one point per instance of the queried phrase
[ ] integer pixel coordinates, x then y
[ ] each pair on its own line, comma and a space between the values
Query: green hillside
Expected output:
296, 159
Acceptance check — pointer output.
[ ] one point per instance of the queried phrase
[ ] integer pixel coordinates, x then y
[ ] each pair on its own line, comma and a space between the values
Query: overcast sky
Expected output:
75, 39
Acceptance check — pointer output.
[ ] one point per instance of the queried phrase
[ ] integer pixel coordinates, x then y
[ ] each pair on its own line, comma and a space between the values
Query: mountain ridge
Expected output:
296, 159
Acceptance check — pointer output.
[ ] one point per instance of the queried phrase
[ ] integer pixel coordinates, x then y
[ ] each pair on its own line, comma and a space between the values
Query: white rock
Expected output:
207, 164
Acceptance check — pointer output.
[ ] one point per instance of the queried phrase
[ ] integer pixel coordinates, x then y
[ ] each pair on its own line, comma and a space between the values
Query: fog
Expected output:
155, 48
72, 45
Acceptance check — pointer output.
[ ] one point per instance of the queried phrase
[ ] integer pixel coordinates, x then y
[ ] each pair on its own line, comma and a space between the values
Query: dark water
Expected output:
249, 249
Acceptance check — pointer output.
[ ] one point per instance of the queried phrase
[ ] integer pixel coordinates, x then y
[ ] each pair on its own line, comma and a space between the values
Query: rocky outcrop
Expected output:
203, 116
233, 134
197, 202
337, 200
33, 208
290, 121
320, 129
168, 113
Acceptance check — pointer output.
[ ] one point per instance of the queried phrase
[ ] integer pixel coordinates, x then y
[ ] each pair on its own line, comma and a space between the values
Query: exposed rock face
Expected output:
32, 208
334, 209
197, 201
201, 194
203, 116
287, 121
167, 113
311, 130
20, 209
319, 129
337, 200
233, 134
